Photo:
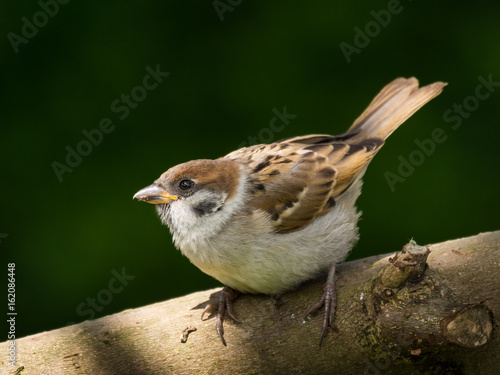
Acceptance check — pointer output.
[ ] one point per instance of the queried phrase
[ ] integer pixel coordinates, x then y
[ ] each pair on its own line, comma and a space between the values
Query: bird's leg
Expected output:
329, 300
225, 303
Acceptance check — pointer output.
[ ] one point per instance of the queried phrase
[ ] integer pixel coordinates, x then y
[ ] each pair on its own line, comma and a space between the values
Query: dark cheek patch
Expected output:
206, 207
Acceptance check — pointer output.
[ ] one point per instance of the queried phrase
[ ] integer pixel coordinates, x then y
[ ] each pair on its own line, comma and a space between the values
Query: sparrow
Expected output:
266, 218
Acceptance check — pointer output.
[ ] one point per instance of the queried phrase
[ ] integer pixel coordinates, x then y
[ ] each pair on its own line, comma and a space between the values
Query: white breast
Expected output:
243, 252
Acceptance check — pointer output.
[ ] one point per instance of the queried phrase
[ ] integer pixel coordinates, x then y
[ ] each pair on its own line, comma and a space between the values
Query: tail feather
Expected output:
391, 107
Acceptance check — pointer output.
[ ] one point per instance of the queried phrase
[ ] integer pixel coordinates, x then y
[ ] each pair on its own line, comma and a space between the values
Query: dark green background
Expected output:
225, 79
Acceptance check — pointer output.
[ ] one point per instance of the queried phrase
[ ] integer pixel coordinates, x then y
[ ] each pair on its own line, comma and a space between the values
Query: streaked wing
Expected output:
299, 179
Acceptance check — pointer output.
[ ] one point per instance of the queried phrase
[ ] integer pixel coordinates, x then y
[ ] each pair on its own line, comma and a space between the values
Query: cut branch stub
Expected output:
410, 306
470, 327
407, 265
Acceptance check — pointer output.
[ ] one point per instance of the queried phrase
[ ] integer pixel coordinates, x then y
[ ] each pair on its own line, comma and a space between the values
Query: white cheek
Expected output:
185, 223
182, 214
191, 229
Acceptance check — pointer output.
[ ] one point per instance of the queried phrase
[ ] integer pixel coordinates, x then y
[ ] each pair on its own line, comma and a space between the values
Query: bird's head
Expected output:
189, 196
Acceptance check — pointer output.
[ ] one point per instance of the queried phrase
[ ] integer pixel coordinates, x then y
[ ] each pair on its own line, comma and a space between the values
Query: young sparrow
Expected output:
266, 218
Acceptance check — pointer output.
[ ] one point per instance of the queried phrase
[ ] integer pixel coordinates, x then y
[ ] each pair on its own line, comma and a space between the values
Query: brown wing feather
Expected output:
298, 179
295, 183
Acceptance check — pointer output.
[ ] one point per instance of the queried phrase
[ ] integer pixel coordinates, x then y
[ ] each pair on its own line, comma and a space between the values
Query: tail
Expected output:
391, 107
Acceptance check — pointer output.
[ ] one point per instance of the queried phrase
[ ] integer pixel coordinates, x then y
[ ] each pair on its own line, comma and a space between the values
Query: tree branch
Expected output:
424, 310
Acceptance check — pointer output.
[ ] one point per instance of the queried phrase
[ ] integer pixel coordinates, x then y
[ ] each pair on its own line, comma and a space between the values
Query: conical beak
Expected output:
155, 195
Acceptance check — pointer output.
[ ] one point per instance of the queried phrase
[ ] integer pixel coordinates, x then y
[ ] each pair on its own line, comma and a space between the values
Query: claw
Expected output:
208, 309
329, 301
225, 303
220, 330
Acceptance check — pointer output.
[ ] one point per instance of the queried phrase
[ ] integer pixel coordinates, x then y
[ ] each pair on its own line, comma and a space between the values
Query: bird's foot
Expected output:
225, 303
329, 301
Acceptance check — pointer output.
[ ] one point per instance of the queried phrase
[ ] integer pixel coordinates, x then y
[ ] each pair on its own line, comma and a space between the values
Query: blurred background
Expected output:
68, 220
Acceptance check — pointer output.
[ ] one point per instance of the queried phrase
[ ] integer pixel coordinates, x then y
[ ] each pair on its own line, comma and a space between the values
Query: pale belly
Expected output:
272, 263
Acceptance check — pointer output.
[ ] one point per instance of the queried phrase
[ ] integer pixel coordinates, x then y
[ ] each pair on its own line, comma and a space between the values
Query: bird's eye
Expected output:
186, 184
